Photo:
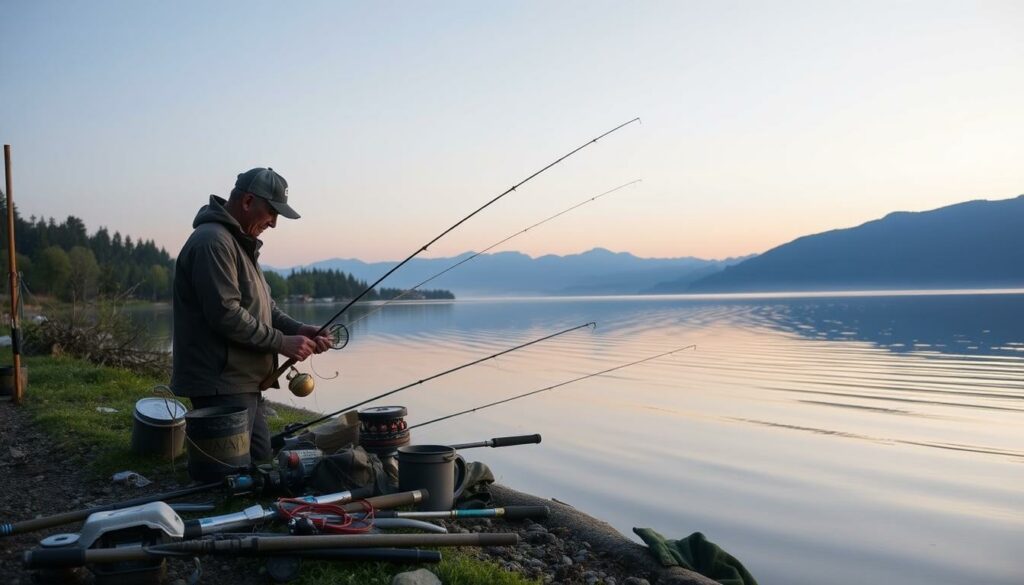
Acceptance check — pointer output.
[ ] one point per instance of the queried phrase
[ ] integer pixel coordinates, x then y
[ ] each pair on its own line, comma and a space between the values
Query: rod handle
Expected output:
521, 512
45, 558
44, 522
517, 440
273, 376
388, 501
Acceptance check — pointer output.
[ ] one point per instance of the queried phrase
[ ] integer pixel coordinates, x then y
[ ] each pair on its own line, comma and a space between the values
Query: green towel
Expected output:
697, 553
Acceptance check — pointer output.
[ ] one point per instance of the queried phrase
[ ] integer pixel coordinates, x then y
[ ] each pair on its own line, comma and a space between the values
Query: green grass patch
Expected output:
456, 568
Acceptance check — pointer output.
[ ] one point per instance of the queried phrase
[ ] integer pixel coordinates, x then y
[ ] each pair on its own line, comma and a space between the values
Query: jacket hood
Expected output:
215, 212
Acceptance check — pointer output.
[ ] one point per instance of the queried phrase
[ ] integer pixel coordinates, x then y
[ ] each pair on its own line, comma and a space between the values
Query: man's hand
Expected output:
323, 341
298, 347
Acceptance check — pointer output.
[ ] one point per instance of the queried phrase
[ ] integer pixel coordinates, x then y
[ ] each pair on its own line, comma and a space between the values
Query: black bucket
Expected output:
218, 442
159, 427
7, 381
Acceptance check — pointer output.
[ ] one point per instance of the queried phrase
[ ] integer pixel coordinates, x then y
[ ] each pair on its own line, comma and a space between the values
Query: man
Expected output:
227, 329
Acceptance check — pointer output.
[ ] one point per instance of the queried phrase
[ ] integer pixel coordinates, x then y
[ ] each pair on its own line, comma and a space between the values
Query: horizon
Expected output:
759, 124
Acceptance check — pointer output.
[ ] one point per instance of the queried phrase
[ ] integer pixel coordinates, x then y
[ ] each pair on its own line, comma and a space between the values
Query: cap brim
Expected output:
284, 209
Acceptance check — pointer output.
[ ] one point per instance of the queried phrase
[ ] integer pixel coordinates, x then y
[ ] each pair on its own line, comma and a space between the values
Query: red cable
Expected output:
290, 508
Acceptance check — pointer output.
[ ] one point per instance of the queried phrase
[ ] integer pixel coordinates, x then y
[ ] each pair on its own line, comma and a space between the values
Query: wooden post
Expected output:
13, 266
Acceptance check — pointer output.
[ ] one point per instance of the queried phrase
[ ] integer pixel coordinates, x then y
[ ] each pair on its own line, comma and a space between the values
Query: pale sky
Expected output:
762, 121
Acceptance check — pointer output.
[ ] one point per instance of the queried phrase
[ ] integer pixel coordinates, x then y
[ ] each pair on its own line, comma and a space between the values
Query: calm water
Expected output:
843, 439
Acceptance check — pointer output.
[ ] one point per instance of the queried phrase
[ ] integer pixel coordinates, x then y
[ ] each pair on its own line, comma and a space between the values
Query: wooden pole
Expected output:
12, 263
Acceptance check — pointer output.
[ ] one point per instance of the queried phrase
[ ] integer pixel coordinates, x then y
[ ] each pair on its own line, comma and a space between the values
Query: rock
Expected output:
635, 581
17, 453
566, 561
536, 537
417, 577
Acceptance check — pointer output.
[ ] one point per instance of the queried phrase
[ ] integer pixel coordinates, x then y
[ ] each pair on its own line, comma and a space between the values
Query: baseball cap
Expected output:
266, 183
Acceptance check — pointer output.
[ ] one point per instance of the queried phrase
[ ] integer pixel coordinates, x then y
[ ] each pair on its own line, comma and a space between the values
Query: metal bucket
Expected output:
159, 427
7, 381
436, 468
218, 442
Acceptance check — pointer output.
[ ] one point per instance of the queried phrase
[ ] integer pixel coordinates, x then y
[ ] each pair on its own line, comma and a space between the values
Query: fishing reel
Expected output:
302, 384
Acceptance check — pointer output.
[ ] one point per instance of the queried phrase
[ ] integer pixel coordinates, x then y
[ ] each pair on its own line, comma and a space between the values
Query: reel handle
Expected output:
273, 376
521, 512
517, 440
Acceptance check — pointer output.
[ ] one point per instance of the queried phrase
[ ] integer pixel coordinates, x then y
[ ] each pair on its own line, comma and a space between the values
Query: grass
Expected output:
63, 395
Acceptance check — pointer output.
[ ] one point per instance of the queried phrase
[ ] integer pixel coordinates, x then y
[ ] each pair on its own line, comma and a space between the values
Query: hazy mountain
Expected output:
968, 245
596, 272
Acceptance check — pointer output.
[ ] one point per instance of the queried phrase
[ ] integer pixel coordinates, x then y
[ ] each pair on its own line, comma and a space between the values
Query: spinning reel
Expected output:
300, 383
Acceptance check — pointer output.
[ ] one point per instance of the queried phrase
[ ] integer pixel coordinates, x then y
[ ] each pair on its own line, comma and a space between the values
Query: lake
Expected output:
842, 439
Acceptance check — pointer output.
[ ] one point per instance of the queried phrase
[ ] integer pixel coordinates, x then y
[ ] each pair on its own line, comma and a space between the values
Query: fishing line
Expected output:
270, 379
619, 367
276, 441
491, 247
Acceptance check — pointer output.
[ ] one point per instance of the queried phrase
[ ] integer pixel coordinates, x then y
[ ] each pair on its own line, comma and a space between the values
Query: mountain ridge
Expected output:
595, 271
972, 244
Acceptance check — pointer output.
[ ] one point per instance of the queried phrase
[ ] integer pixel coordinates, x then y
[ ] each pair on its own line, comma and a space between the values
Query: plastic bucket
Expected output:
435, 468
7, 381
158, 427
218, 441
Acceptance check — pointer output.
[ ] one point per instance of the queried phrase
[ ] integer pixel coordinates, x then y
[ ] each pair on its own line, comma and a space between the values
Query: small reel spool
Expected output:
339, 335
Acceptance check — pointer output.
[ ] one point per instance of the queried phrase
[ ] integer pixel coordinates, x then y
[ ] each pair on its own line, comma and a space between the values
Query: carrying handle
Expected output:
521, 512
460, 477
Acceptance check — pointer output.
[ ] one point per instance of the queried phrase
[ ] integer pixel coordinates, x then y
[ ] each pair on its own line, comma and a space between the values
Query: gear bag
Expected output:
351, 468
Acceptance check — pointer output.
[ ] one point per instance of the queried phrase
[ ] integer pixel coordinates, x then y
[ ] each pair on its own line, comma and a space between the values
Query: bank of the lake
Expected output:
73, 431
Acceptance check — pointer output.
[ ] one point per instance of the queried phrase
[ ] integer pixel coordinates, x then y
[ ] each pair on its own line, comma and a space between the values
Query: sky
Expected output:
760, 121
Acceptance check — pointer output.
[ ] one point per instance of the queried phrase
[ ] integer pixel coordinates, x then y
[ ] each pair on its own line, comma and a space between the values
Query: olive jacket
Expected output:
227, 328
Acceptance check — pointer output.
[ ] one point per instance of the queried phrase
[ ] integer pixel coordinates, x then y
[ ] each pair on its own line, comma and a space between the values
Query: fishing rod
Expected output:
489, 248
270, 379
552, 387
10, 529
508, 513
254, 546
277, 441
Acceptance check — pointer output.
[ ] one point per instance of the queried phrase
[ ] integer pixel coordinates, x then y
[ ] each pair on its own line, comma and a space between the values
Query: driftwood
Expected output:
603, 538
101, 334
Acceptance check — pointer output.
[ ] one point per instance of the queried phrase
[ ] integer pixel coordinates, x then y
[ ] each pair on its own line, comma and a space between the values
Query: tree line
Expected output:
331, 283
63, 260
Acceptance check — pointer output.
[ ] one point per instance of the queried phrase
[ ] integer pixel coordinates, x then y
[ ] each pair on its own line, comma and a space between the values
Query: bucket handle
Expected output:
460, 477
